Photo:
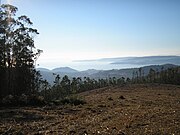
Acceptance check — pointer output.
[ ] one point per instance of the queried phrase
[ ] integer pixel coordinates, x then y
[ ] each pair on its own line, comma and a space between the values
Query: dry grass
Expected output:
136, 109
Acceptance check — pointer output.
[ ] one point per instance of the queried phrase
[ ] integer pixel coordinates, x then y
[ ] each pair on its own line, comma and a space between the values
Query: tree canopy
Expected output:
17, 52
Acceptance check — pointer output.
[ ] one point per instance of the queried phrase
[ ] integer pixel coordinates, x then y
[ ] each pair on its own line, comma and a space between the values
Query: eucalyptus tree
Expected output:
57, 81
17, 52
66, 85
151, 75
74, 85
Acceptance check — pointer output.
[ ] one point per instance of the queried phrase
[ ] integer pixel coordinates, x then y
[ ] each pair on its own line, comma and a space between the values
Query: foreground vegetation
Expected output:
134, 109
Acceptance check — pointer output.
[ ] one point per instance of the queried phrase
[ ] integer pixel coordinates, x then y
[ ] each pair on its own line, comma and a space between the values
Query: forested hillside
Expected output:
50, 75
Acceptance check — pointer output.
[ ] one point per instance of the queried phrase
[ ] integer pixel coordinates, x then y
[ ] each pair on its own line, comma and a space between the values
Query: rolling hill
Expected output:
50, 75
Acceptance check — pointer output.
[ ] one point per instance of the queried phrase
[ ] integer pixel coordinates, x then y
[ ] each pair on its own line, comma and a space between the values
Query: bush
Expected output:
8, 100
55, 102
73, 101
23, 100
35, 100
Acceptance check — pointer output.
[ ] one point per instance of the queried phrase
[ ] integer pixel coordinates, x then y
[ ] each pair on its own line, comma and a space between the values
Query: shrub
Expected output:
23, 100
73, 101
35, 100
8, 100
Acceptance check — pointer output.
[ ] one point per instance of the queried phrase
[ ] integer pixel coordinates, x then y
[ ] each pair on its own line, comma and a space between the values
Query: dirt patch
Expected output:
129, 110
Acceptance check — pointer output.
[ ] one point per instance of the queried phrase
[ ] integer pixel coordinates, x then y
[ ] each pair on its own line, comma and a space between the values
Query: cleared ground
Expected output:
129, 110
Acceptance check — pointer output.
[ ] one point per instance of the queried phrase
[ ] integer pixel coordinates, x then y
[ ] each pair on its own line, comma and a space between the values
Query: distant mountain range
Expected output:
64, 70
148, 62
50, 75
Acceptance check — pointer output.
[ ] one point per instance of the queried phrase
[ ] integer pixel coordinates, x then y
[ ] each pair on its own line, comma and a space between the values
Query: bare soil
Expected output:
128, 110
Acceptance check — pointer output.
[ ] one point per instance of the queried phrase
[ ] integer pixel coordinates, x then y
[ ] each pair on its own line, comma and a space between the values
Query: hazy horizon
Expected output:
106, 63
93, 29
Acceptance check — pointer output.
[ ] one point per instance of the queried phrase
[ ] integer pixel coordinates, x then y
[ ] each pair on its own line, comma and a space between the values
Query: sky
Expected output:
92, 29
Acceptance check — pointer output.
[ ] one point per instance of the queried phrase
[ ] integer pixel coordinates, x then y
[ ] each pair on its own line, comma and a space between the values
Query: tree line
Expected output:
17, 53
64, 86
164, 76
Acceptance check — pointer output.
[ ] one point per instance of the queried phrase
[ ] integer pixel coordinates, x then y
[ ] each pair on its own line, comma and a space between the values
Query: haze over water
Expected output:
92, 65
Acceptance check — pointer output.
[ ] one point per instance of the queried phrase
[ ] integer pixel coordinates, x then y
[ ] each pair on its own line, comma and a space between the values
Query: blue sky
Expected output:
89, 29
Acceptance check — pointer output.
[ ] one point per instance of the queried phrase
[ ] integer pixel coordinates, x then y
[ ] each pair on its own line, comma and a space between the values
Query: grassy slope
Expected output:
146, 109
